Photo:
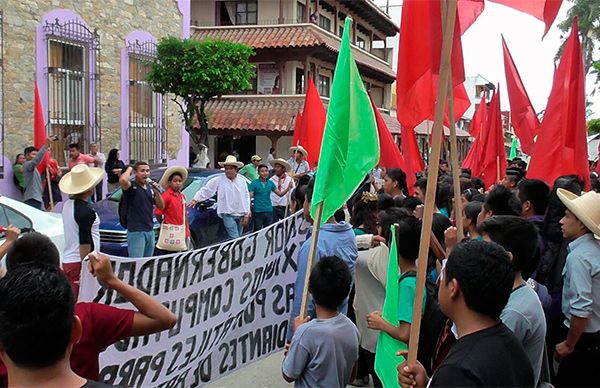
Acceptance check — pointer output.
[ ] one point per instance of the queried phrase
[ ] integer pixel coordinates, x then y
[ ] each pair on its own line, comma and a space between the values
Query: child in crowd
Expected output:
323, 351
409, 232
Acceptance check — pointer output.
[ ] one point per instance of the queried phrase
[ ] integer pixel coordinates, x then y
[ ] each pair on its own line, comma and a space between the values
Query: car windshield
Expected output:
190, 187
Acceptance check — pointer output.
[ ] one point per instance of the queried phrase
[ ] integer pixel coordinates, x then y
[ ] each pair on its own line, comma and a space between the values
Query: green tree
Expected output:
593, 126
196, 72
588, 14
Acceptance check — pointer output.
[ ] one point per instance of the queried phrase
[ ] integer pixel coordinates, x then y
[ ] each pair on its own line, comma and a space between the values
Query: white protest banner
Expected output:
232, 301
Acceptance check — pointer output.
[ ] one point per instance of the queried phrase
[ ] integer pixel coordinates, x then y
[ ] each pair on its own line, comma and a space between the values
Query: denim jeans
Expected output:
140, 244
233, 225
262, 220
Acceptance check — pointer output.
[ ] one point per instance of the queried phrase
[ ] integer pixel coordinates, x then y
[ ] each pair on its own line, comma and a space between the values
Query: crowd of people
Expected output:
516, 303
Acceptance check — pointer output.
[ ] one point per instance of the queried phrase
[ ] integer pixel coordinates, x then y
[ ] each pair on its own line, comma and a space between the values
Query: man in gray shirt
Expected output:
523, 313
33, 180
579, 353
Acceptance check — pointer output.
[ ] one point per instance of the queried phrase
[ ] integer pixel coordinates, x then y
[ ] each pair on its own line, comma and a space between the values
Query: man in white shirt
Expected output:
298, 164
99, 161
233, 198
282, 181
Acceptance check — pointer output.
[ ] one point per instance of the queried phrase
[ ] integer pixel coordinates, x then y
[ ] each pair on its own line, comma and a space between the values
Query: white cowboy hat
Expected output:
585, 207
80, 179
164, 180
231, 161
300, 149
283, 163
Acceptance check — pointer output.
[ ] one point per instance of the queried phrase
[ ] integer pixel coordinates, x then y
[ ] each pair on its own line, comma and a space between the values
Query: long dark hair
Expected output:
17, 158
112, 156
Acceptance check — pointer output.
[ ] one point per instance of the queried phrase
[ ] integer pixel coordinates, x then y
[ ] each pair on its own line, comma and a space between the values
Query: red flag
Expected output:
493, 154
313, 123
476, 130
39, 129
561, 147
468, 12
410, 150
297, 131
390, 156
544, 10
419, 57
523, 116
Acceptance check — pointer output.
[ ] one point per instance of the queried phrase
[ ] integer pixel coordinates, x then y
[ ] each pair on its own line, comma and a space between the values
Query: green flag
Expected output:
386, 360
350, 147
513, 148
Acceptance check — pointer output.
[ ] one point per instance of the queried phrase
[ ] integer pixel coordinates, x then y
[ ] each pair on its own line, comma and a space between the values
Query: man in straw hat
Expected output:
298, 163
282, 182
233, 198
250, 170
80, 222
580, 351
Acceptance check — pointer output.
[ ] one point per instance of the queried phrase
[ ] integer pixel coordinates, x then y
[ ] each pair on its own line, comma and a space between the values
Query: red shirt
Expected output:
102, 326
174, 209
81, 159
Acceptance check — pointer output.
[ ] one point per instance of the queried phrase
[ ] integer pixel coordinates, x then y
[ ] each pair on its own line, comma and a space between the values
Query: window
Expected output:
231, 13
9, 216
323, 86
341, 30
73, 94
324, 23
360, 43
147, 109
300, 12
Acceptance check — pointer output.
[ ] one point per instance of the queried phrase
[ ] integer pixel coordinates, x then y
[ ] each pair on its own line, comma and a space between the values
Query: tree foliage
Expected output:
593, 126
198, 71
588, 14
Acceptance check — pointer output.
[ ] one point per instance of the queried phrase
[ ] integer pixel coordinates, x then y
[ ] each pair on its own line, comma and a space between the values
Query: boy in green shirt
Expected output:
260, 189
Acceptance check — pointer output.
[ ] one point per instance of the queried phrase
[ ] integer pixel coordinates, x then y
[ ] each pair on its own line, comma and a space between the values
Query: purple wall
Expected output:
183, 156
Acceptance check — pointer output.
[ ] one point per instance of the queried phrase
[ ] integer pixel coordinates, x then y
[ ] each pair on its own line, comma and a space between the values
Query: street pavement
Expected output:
265, 373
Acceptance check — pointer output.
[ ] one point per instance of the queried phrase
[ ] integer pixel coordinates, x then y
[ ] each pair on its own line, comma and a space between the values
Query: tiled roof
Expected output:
254, 113
292, 36
272, 113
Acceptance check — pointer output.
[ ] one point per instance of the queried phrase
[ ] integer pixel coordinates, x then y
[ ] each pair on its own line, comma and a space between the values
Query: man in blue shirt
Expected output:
579, 353
260, 189
335, 239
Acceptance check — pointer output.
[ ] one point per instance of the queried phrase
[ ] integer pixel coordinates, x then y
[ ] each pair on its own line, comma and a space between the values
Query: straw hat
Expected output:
80, 179
231, 161
255, 157
283, 163
299, 149
586, 208
164, 180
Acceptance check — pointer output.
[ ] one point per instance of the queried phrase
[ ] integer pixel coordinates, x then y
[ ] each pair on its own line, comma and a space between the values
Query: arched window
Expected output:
147, 133
73, 84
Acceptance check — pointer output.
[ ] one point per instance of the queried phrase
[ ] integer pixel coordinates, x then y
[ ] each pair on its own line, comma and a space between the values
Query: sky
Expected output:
534, 57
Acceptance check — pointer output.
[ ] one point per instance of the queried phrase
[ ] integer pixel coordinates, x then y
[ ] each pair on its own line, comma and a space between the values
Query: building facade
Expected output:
89, 60
293, 40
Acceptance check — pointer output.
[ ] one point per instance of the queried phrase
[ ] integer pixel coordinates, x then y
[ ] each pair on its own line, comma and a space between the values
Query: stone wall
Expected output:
113, 19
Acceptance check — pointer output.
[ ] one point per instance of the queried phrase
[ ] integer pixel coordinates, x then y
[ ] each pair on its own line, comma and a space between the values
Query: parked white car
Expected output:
20, 215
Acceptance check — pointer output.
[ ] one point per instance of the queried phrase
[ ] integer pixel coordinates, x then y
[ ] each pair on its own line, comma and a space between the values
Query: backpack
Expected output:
123, 206
432, 323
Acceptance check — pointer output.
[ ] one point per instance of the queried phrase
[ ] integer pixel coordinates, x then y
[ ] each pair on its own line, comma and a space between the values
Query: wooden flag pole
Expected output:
49, 184
454, 162
311, 258
434, 159
498, 177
